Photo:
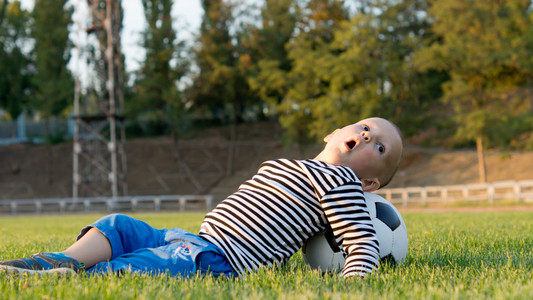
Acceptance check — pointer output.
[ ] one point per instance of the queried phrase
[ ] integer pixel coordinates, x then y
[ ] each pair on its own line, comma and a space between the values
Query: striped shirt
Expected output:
288, 201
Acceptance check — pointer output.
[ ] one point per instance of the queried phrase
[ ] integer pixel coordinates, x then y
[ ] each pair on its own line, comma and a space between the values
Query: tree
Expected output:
402, 28
212, 89
220, 86
3, 8
156, 92
306, 84
268, 49
223, 59
477, 43
54, 85
15, 62
343, 67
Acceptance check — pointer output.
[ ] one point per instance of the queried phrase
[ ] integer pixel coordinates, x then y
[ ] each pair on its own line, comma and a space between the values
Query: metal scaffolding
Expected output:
99, 158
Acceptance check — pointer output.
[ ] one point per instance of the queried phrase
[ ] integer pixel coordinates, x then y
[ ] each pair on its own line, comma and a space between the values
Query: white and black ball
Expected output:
322, 252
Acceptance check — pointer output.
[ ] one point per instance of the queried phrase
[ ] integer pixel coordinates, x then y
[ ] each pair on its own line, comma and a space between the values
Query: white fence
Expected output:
124, 203
518, 191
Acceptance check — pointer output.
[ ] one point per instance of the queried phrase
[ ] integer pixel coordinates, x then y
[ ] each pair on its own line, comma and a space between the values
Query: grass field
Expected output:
451, 256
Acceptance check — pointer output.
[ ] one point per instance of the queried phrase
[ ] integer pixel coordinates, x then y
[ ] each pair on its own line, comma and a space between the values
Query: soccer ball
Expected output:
322, 252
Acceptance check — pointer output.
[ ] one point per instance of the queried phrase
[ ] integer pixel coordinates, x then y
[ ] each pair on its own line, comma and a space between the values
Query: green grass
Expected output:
452, 256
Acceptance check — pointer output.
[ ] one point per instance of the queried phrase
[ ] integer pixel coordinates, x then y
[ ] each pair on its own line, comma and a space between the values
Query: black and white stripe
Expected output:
271, 216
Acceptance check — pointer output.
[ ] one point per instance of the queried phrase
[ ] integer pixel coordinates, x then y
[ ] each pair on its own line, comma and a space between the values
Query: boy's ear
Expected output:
370, 185
328, 137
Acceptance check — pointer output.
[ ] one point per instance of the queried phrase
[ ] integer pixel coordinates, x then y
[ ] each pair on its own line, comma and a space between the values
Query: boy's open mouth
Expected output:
350, 144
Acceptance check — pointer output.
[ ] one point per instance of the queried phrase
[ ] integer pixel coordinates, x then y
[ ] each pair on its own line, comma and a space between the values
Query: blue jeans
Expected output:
138, 247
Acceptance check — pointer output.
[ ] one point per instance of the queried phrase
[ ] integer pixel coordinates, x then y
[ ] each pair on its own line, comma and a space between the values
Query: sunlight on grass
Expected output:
452, 255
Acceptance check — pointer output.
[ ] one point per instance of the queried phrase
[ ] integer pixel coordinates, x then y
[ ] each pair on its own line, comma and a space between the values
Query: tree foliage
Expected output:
220, 86
345, 65
15, 62
478, 45
54, 85
156, 92
268, 49
314, 64
481, 48
307, 82
212, 89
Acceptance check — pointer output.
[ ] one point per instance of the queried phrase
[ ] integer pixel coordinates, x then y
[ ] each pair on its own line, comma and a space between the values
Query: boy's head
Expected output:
372, 148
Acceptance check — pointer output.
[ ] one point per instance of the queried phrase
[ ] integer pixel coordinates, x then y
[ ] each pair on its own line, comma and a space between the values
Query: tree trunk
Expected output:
481, 160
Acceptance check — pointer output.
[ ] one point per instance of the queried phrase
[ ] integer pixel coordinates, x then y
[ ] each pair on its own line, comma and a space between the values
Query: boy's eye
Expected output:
381, 149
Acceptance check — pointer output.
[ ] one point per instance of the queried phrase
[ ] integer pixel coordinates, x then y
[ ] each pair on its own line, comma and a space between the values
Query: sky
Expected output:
186, 13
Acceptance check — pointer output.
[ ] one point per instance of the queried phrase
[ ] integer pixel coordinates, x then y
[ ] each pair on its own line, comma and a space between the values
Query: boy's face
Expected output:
370, 147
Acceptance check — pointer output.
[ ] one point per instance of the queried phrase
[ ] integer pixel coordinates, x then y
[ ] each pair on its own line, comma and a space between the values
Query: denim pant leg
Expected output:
184, 254
127, 234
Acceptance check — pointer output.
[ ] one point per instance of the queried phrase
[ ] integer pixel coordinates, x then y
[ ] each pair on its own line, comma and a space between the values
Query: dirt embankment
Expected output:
200, 165
424, 167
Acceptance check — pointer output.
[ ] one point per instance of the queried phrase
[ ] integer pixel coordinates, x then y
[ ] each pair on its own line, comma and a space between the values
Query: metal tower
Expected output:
99, 159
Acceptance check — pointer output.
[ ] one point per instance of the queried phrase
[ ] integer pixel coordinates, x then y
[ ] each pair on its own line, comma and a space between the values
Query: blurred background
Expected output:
104, 97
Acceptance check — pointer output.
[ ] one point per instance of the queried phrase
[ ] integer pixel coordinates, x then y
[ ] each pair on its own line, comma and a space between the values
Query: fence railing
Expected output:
518, 191
25, 130
123, 203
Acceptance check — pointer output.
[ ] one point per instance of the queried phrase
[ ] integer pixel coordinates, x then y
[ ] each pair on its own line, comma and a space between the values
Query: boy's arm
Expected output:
346, 210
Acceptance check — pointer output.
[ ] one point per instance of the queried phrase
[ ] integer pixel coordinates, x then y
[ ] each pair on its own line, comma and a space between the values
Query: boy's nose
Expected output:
366, 136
